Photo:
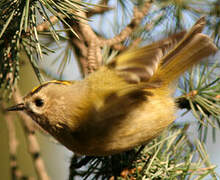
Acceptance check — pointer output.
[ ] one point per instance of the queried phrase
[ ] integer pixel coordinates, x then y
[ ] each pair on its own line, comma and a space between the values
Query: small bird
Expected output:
125, 103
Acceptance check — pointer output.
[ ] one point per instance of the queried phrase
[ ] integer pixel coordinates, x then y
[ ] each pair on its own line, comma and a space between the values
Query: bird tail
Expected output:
189, 51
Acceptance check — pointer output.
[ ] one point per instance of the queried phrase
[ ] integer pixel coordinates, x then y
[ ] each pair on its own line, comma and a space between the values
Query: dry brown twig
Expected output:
16, 173
94, 51
33, 145
79, 44
44, 26
139, 14
95, 43
89, 44
88, 52
102, 8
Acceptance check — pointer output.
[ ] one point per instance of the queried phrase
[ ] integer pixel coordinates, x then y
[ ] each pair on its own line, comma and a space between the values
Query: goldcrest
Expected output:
123, 104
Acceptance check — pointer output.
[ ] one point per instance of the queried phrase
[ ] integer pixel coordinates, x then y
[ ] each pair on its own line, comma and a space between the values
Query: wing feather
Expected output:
138, 65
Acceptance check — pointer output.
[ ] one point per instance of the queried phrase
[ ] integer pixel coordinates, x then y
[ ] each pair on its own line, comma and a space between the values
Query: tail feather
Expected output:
189, 51
167, 59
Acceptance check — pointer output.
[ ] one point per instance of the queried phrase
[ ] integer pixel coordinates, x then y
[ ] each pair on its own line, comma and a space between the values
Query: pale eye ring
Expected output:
39, 102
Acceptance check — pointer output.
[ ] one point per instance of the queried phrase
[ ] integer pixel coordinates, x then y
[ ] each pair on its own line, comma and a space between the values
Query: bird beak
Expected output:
18, 107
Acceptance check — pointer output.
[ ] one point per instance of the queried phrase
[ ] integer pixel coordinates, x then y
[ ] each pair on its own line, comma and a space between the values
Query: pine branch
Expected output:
18, 30
200, 93
170, 156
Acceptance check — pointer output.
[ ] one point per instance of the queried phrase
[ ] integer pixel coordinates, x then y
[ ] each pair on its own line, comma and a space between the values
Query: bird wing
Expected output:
138, 65
120, 103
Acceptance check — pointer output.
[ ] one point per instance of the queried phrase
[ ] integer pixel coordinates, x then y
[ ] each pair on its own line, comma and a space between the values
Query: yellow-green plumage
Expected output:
122, 105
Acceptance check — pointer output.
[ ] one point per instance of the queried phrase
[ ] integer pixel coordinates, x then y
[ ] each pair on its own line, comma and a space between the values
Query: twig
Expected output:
95, 43
84, 65
90, 44
135, 22
79, 44
201, 170
33, 145
94, 50
46, 24
99, 9
16, 173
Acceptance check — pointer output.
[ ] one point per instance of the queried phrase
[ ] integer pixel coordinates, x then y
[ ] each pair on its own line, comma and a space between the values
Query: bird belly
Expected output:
139, 127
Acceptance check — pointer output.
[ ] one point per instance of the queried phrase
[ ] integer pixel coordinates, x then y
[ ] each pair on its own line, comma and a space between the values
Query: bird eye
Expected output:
38, 102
